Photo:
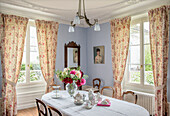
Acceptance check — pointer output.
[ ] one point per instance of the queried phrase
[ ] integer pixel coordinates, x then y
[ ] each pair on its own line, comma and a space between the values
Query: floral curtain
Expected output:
159, 42
47, 44
13, 31
120, 33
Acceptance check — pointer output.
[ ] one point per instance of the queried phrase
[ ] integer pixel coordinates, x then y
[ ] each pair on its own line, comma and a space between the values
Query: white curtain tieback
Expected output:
10, 82
116, 81
160, 87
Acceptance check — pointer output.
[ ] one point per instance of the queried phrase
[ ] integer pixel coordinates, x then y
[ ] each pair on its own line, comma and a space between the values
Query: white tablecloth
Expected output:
118, 107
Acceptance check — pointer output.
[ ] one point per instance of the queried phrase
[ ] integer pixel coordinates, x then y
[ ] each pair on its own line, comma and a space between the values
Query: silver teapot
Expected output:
79, 99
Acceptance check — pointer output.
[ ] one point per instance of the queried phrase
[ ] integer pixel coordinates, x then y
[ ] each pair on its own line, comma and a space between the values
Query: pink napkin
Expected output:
99, 104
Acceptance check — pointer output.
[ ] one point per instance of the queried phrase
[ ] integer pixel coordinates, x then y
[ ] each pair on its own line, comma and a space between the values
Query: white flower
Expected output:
78, 74
72, 75
65, 70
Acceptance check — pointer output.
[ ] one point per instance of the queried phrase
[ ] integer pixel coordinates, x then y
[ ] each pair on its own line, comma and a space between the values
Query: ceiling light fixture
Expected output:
79, 16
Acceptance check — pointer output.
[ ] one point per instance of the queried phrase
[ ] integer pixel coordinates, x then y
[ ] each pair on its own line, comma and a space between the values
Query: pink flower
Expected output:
73, 72
83, 81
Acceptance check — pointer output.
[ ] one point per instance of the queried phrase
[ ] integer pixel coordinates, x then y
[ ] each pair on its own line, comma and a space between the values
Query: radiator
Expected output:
147, 101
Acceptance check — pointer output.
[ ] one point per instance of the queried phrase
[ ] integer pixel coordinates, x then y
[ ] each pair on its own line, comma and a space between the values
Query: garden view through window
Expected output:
139, 60
30, 68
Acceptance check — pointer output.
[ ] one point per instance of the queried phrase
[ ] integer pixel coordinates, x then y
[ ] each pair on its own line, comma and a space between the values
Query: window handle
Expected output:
141, 66
28, 65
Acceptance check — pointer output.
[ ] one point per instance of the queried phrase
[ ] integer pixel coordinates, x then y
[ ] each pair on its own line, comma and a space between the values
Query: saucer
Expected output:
56, 96
88, 107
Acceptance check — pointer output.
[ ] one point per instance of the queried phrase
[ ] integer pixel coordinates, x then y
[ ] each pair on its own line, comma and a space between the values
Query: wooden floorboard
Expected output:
28, 112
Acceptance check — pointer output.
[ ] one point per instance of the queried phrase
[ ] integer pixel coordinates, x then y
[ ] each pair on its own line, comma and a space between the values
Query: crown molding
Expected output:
137, 12
124, 10
33, 14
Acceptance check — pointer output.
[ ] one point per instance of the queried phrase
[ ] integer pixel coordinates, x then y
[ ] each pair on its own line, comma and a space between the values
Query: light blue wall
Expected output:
79, 36
102, 71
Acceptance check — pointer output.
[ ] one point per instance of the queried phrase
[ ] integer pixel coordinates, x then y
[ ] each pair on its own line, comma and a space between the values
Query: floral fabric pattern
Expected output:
159, 42
120, 34
47, 43
13, 31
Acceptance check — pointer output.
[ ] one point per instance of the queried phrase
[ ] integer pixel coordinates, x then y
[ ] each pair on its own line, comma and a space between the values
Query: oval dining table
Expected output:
66, 105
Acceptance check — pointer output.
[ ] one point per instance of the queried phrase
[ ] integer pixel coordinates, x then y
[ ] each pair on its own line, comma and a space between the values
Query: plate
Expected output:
56, 87
56, 97
78, 103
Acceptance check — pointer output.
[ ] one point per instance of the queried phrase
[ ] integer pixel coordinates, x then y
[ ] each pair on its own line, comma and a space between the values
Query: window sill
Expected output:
32, 84
140, 92
139, 88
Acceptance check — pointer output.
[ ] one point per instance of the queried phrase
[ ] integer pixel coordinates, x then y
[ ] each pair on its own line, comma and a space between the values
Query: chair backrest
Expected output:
130, 96
108, 87
44, 111
55, 110
96, 84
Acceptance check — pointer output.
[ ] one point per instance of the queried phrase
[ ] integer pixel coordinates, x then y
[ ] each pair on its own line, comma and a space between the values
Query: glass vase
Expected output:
71, 88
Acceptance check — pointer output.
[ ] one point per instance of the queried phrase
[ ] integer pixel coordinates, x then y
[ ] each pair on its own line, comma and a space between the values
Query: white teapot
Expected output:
98, 97
91, 96
79, 99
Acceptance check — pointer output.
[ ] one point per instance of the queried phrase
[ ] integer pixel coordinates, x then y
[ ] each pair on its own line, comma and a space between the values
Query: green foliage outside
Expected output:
135, 76
148, 68
34, 75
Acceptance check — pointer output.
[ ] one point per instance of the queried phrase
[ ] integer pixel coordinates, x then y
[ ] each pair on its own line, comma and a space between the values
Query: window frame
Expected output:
27, 67
142, 87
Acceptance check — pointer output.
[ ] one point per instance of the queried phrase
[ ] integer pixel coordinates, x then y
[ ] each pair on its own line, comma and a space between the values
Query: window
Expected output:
139, 66
30, 68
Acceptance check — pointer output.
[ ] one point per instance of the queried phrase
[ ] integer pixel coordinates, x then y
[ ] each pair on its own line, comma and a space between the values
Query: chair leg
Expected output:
49, 111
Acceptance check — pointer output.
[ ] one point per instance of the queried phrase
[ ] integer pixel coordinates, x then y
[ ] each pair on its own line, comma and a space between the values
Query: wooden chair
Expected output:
96, 84
108, 87
43, 112
55, 110
133, 95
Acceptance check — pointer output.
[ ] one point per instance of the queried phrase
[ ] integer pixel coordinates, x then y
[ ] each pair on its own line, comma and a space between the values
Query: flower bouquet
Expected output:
72, 78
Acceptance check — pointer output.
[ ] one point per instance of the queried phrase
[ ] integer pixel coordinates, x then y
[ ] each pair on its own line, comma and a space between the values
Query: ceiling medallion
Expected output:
79, 16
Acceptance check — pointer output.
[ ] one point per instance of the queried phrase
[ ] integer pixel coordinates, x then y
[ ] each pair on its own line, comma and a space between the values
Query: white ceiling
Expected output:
65, 10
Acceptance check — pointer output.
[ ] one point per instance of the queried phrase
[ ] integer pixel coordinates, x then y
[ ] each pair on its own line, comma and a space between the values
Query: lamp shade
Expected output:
97, 27
71, 28
76, 20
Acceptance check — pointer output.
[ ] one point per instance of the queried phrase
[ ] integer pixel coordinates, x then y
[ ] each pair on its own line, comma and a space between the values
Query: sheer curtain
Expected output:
47, 32
13, 31
159, 42
120, 35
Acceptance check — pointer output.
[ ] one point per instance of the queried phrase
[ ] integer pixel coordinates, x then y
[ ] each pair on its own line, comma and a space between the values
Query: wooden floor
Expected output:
28, 112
